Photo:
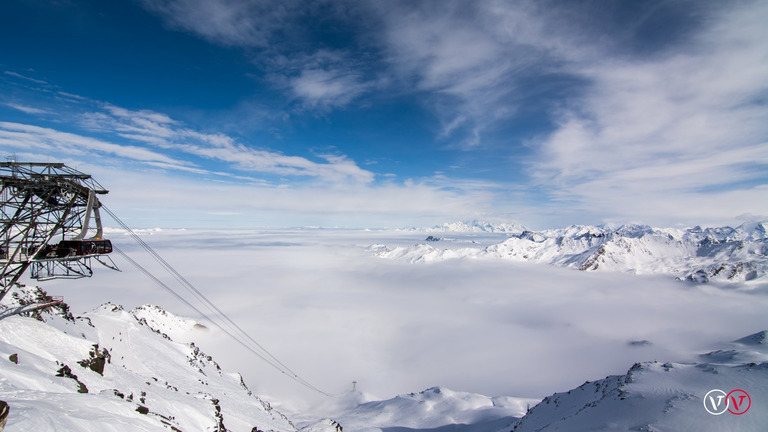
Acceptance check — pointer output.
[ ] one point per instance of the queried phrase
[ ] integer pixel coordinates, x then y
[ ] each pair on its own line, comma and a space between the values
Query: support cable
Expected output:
193, 290
235, 331
190, 305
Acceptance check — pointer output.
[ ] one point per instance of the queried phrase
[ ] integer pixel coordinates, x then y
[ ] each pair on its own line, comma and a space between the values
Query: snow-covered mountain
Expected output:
651, 396
696, 254
474, 227
432, 409
656, 396
118, 370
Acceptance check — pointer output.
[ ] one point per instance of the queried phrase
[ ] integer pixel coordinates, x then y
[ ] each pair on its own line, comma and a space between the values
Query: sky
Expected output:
242, 113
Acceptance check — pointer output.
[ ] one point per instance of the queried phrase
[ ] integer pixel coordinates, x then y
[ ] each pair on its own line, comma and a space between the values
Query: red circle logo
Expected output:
738, 402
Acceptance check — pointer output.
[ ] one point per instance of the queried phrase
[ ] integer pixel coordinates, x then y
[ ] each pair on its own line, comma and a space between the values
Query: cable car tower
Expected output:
50, 223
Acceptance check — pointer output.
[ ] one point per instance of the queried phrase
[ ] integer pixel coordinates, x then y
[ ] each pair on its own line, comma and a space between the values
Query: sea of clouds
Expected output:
334, 313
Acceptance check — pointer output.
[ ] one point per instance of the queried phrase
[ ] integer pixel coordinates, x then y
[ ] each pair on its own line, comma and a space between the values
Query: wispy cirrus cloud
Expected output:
324, 79
318, 77
146, 190
160, 131
26, 109
463, 59
25, 77
157, 139
52, 141
161, 171
474, 61
683, 132
327, 87
229, 22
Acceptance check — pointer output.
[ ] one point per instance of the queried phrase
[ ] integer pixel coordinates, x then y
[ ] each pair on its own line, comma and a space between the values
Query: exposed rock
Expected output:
592, 262
4, 411
219, 417
66, 372
23, 295
97, 361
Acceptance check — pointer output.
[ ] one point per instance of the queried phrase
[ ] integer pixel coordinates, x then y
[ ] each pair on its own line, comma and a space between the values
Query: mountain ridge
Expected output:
694, 254
145, 381
654, 396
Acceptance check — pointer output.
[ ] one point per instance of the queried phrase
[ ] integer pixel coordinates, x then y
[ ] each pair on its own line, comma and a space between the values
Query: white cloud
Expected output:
227, 22
16, 135
165, 185
24, 77
26, 109
322, 79
672, 137
172, 175
164, 133
464, 58
330, 88
148, 197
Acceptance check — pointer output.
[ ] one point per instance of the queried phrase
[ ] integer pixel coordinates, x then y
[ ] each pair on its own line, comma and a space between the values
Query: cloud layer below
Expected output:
333, 313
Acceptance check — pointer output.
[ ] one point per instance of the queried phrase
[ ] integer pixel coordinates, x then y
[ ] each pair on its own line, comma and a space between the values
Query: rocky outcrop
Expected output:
66, 372
97, 360
4, 411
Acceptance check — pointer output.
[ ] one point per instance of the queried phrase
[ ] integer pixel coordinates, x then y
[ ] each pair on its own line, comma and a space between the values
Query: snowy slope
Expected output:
117, 370
432, 409
651, 396
663, 397
696, 254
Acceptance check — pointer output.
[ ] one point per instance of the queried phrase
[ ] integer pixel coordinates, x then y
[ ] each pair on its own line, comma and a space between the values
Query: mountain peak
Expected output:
759, 338
161, 321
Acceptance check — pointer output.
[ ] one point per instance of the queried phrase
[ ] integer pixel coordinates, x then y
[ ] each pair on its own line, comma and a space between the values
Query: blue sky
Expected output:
237, 113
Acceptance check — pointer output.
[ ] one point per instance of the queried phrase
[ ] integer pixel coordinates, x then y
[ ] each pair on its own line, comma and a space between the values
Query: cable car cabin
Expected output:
75, 248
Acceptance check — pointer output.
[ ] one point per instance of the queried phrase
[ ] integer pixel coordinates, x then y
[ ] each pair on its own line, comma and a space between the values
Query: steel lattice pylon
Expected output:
46, 211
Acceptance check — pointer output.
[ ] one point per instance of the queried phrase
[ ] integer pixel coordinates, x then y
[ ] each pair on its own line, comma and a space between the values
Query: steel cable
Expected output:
237, 333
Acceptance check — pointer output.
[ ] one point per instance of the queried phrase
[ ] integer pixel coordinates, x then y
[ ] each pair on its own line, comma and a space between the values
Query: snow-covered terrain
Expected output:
696, 254
118, 370
460, 345
433, 409
655, 396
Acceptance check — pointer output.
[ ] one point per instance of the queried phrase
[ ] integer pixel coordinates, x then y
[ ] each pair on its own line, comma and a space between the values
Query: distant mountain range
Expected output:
695, 254
474, 226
